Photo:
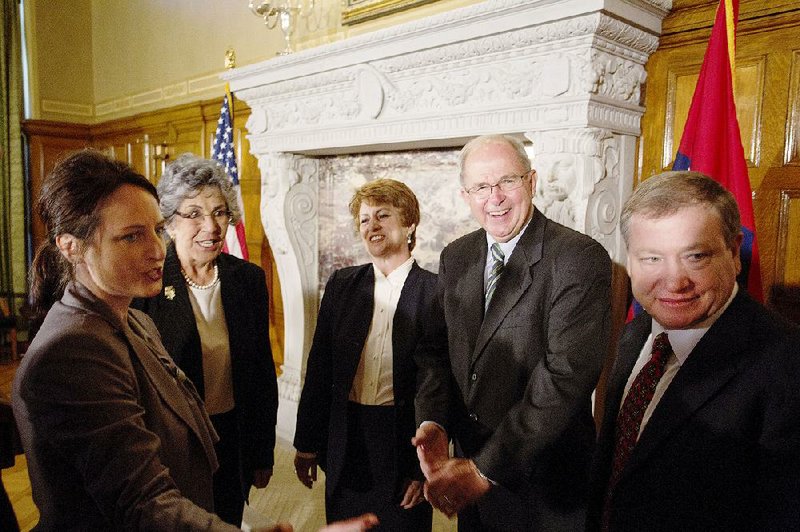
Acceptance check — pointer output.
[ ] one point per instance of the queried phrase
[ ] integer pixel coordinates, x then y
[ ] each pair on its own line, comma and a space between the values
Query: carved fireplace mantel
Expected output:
565, 74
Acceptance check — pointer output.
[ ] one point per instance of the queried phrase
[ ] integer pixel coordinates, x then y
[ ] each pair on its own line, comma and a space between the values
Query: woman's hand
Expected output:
280, 527
412, 495
356, 524
261, 477
305, 466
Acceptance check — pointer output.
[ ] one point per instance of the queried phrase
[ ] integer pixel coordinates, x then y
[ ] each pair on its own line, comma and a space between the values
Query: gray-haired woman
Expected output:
213, 317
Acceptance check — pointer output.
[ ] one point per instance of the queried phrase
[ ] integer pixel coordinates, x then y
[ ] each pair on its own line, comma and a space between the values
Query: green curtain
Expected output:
12, 182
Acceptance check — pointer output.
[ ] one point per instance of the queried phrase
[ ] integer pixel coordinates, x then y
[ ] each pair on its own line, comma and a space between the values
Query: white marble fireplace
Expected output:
566, 75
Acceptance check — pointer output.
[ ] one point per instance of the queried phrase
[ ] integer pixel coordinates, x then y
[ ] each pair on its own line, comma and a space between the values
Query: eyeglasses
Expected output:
221, 216
506, 184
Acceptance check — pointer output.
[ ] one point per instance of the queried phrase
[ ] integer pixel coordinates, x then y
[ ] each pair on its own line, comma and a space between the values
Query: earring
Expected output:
408, 240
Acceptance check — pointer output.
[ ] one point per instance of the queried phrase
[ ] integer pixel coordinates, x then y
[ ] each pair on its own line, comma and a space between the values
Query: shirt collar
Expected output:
396, 277
683, 341
508, 247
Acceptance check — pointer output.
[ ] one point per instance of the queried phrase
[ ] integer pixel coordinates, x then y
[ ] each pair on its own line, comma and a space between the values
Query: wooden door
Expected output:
768, 108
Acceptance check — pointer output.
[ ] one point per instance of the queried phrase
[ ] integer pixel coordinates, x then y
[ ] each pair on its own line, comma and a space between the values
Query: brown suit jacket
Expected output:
115, 437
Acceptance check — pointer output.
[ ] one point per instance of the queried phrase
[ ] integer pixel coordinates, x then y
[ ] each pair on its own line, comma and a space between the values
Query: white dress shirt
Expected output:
683, 342
374, 380
506, 247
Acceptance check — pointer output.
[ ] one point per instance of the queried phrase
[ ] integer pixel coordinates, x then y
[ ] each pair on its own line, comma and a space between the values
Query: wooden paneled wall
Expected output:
148, 142
768, 107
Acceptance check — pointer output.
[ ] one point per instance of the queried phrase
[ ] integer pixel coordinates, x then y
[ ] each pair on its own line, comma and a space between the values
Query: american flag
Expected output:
223, 150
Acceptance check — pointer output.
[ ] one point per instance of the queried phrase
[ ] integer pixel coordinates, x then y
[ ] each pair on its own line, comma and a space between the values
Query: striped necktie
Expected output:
498, 258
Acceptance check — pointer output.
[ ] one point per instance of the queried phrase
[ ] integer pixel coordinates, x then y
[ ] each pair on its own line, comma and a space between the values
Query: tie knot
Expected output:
497, 253
661, 348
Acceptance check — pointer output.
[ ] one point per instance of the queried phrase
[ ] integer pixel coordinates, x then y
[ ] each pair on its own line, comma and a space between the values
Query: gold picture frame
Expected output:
356, 11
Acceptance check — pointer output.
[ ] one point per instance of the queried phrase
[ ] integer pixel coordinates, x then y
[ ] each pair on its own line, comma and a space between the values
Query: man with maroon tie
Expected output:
702, 423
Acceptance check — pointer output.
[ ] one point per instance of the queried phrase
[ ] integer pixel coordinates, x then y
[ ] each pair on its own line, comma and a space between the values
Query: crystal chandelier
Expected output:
287, 15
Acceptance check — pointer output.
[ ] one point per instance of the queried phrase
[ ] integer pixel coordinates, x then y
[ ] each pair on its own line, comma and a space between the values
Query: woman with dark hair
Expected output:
356, 412
115, 436
213, 316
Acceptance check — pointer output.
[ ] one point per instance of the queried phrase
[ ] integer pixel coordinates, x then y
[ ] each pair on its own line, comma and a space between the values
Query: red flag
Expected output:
712, 143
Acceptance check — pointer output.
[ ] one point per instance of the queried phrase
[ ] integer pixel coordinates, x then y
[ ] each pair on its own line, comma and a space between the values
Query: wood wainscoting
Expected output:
148, 142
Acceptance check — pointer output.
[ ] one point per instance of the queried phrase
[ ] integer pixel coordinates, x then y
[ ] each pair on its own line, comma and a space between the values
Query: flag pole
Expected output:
230, 64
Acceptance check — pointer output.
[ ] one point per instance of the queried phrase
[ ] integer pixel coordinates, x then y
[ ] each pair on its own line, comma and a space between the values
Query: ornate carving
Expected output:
578, 181
289, 214
573, 82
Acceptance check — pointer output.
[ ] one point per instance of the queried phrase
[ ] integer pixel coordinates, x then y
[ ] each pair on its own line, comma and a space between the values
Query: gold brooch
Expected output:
169, 292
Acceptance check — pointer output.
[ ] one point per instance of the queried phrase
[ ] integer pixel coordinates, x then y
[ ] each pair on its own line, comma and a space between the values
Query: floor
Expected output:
284, 500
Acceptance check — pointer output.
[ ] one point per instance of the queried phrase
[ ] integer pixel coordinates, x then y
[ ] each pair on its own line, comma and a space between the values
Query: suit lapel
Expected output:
176, 318
630, 346
232, 295
174, 298
155, 361
356, 321
467, 269
514, 281
406, 309
712, 363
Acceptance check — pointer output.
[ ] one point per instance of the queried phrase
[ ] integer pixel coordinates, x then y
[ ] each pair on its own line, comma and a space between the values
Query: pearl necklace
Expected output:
193, 284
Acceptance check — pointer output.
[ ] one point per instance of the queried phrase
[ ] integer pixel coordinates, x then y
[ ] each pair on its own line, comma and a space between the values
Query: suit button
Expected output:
473, 417
474, 376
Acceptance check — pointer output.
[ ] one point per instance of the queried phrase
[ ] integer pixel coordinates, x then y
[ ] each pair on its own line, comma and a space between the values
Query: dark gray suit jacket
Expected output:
722, 448
114, 440
343, 324
514, 388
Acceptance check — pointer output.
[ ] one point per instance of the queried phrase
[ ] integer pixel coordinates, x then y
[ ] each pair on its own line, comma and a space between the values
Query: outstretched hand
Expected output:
432, 447
356, 524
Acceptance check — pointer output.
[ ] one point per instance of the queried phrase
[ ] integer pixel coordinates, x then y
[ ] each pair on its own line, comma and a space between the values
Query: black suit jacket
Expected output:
342, 327
245, 303
722, 448
513, 387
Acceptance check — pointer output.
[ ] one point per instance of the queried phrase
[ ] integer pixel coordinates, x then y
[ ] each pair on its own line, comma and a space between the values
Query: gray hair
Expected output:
668, 192
185, 176
513, 142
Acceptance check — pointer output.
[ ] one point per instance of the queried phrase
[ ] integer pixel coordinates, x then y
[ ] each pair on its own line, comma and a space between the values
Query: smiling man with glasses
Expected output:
513, 351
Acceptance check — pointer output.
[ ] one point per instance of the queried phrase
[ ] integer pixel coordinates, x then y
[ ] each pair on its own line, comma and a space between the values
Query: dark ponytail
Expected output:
48, 278
68, 204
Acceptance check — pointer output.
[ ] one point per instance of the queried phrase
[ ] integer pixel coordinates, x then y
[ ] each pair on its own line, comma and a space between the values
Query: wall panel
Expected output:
767, 93
148, 142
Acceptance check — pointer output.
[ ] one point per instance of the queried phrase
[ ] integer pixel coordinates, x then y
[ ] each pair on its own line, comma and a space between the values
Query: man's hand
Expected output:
412, 494
456, 484
306, 469
432, 447
280, 527
356, 524
261, 477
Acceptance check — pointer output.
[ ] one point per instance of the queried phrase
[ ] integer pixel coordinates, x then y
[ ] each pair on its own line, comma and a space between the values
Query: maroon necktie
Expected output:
630, 415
